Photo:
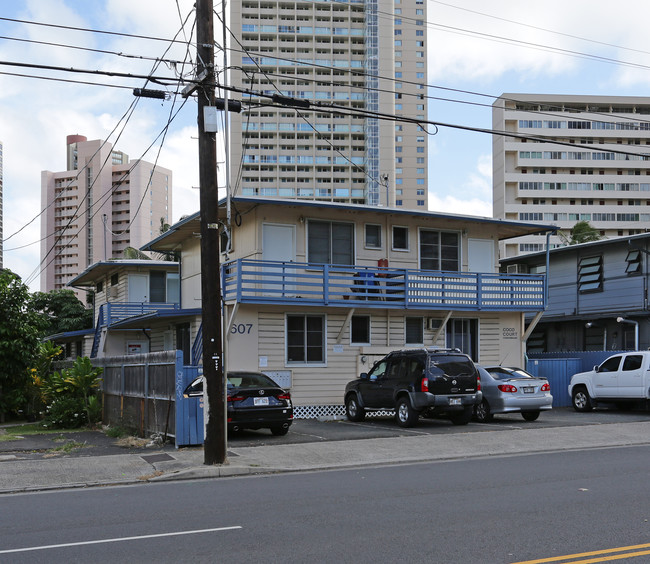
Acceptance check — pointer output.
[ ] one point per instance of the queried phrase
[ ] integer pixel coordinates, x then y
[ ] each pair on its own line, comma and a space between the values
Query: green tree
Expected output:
64, 310
581, 232
20, 328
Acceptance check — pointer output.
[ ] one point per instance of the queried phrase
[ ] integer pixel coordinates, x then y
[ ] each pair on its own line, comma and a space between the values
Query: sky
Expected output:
476, 51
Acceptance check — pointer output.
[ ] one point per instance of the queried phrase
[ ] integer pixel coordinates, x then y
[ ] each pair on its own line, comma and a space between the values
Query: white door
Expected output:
138, 288
606, 379
480, 255
630, 377
279, 244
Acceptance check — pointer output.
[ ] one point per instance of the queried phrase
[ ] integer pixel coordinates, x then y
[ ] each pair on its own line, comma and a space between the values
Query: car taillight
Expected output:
234, 398
478, 383
546, 387
285, 396
424, 385
507, 388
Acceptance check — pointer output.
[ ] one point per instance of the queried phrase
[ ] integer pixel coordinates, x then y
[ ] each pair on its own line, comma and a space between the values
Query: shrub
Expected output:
71, 395
66, 412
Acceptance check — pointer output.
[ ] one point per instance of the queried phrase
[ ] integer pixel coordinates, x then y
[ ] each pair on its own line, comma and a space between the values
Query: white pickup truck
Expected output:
621, 379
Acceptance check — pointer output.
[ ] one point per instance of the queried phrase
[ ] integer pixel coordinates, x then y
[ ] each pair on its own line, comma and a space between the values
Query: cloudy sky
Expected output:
477, 50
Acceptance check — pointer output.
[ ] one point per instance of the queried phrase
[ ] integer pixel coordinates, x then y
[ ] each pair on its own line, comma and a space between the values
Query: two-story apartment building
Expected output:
313, 293
146, 290
597, 295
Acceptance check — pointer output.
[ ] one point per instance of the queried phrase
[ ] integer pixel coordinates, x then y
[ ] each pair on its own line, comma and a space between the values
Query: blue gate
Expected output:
558, 372
189, 411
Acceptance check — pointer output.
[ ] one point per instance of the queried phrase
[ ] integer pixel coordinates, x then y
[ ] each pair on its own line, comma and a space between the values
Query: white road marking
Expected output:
119, 539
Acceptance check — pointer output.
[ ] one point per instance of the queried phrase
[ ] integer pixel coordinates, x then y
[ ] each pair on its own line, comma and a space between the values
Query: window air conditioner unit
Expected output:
112, 293
517, 269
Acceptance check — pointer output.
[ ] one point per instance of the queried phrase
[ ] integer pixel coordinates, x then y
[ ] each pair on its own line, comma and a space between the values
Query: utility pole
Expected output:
215, 445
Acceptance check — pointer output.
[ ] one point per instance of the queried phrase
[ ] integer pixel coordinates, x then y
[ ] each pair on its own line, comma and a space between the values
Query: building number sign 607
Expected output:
241, 329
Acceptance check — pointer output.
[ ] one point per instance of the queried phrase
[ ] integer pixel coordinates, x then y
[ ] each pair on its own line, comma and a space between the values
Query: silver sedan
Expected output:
511, 390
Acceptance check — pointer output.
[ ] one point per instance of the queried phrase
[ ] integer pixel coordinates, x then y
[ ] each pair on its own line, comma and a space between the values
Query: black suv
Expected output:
417, 382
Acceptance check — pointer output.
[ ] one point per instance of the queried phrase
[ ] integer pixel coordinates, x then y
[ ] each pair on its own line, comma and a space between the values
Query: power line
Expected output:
89, 49
90, 30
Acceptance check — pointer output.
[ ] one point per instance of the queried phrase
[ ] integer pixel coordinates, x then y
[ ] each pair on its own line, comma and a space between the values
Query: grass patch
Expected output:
118, 431
68, 447
16, 432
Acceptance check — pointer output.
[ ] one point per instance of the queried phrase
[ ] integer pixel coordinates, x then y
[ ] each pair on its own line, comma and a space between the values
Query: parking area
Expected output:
312, 430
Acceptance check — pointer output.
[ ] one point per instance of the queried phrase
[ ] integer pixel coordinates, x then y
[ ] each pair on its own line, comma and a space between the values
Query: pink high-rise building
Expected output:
102, 204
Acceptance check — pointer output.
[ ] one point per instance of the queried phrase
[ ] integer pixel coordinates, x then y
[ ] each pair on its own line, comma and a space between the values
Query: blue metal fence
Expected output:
558, 372
559, 367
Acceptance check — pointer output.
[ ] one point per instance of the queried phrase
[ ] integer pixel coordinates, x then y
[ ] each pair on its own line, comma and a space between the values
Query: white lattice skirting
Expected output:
329, 412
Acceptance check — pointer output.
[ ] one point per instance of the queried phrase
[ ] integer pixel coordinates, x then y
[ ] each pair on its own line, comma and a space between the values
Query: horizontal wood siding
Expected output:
325, 384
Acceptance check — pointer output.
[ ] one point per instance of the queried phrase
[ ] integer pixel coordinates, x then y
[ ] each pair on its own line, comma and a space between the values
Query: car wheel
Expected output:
580, 399
353, 410
530, 415
482, 412
464, 417
279, 431
405, 415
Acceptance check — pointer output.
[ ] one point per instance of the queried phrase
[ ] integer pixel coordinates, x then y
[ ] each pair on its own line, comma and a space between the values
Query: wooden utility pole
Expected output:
215, 445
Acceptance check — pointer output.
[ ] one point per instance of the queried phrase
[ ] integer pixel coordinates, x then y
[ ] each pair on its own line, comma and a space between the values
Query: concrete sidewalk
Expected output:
19, 475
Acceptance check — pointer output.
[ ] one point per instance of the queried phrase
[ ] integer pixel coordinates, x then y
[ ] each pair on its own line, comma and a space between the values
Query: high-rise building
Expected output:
100, 205
589, 160
362, 56
1, 213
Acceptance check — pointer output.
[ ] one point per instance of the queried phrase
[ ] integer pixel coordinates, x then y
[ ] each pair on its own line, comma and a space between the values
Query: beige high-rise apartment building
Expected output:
589, 160
359, 56
96, 208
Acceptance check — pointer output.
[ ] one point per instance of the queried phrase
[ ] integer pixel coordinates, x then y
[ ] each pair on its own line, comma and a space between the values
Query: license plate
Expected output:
529, 390
260, 401
454, 401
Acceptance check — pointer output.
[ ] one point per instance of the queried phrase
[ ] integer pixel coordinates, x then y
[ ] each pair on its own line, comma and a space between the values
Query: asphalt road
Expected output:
488, 510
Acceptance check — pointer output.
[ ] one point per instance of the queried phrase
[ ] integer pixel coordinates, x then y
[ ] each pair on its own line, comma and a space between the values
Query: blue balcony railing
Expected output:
256, 281
112, 312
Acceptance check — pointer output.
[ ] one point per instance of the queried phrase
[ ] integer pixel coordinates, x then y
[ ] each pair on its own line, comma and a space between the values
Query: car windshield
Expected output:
451, 365
503, 373
250, 380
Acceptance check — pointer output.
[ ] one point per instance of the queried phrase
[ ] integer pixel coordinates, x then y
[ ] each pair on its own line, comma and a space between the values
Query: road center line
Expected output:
602, 558
119, 539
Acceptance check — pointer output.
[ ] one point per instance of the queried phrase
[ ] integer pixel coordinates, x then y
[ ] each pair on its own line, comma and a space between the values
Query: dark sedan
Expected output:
254, 400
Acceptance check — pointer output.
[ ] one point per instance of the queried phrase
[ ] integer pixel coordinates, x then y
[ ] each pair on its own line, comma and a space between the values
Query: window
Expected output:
632, 362
610, 365
115, 279
414, 329
305, 339
400, 238
590, 274
463, 334
157, 286
100, 287
329, 242
360, 330
633, 262
439, 250
373, 236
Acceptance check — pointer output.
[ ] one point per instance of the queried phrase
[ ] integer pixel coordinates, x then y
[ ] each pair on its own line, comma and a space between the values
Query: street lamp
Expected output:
636, 330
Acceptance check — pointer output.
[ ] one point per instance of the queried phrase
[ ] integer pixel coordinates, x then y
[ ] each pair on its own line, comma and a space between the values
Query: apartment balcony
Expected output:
290, 283
112, 312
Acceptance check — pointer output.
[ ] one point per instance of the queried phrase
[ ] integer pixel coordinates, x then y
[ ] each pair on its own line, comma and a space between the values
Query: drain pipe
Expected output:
636, 330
